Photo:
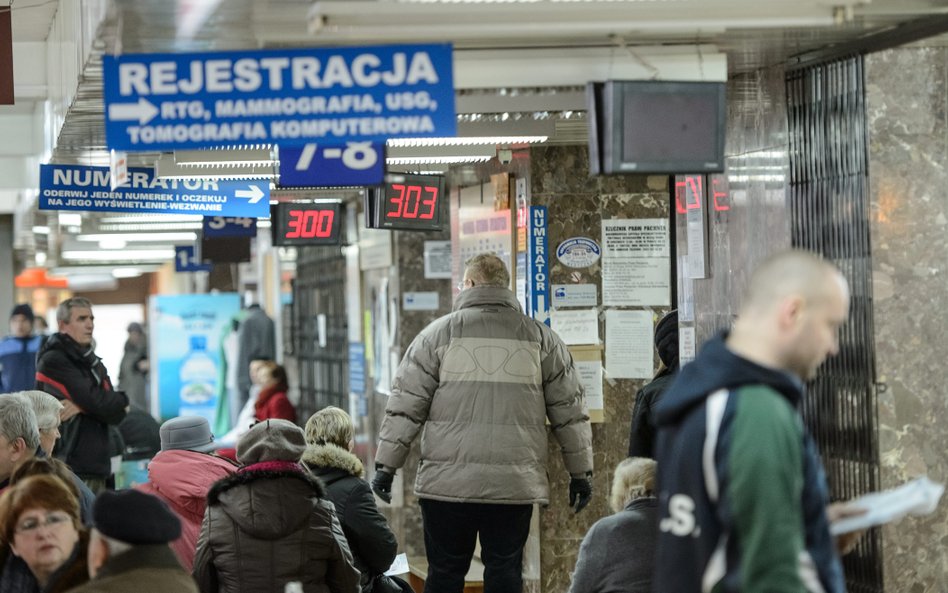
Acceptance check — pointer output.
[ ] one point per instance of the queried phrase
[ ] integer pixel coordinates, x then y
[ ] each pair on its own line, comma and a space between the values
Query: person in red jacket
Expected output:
182, 473
272, 401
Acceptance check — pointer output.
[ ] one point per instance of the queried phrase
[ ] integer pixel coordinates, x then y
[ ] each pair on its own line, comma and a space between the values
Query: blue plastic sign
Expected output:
186, 261
75, 187
288, 97
538, 265
357, 368
226, 226
317, 165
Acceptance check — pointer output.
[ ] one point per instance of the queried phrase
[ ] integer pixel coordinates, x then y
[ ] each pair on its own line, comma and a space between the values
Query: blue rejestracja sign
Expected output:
288, 97
75, 187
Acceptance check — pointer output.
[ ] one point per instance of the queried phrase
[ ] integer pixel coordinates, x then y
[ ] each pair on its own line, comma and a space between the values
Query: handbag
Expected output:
382, 583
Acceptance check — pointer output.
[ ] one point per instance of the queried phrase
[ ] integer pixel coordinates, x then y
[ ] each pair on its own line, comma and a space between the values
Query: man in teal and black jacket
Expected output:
743, 497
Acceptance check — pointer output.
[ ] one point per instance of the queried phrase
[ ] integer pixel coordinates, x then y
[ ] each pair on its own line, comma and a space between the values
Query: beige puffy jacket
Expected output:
480, 384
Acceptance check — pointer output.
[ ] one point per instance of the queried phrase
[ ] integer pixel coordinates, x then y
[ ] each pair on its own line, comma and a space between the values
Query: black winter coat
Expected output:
642, 434
268, 525
65, 370
372, 543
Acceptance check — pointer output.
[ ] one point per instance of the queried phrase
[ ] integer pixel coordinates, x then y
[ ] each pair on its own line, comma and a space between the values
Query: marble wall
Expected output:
752, 219
908, 169
559, 179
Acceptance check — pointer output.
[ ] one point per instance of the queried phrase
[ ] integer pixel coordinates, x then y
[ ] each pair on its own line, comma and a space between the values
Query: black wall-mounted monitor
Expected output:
656, 127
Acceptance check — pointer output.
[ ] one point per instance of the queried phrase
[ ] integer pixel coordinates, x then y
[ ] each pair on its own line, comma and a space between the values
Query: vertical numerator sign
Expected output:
538, 265
288, 97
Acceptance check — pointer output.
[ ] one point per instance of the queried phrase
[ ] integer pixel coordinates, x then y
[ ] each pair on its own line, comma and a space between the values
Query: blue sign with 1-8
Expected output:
355, 164
75, 187
288, 97
186, 261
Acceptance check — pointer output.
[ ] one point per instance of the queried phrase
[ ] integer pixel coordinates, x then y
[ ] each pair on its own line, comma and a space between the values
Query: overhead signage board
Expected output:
75, 187
318, 165
185, 260
288, 97
226, 226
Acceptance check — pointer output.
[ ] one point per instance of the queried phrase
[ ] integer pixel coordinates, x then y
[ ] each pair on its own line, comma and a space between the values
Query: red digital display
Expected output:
408, 202
305, 224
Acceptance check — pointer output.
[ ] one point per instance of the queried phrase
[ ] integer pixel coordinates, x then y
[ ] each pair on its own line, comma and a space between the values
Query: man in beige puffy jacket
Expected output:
480, 384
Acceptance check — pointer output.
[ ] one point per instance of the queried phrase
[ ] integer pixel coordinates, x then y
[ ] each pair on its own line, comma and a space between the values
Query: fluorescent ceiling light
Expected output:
70, 219
127, 272
237, 157
152, 218
131, 227
167, 168
466, 141
121, 255
139, 237
423, 160
112, 244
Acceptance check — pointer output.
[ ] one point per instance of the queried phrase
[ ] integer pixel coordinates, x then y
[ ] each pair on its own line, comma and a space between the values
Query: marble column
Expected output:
908, 169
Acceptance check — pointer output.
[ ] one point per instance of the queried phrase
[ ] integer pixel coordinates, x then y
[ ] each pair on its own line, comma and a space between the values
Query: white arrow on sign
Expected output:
543, 313
143, 111
255, 194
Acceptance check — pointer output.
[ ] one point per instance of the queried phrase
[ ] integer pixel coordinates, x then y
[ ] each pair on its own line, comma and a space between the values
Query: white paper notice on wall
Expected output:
686, 292
576, 326
420, 301
686, 345
590, 377
629, 349
321, 335
437, 260
575, 295
635, 262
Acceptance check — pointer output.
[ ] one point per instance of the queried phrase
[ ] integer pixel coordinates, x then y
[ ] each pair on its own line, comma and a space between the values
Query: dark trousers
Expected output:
451, 530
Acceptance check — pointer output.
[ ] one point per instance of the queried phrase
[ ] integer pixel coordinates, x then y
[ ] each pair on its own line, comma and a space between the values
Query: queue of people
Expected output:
723, 488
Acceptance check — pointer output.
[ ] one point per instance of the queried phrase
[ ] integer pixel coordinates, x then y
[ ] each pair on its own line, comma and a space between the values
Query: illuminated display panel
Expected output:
408, 203
305, 224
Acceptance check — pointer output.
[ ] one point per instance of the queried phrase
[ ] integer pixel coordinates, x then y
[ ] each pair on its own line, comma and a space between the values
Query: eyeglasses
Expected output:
49, 429
463, 284
52, 520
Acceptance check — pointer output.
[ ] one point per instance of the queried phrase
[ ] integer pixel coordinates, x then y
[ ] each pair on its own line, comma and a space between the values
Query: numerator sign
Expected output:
408, 202
294, 223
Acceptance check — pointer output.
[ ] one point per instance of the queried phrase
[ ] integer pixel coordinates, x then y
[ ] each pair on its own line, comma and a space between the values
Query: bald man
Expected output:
743, 497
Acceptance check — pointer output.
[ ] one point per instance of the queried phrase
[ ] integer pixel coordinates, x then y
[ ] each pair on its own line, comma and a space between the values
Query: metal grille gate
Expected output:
829, 204
319, 290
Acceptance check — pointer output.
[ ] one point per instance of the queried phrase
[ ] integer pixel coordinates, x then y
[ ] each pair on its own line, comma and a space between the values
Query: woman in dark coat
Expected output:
618, 553
329, 434
270, 523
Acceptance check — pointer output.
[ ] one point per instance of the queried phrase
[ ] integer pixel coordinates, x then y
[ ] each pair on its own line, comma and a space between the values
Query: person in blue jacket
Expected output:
743, 499
18, 352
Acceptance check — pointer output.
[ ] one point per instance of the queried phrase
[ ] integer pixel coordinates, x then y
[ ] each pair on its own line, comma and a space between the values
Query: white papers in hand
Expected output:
400, 566
918, 497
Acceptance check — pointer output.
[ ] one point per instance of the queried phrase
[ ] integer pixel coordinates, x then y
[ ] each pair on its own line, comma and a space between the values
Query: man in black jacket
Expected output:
68, 368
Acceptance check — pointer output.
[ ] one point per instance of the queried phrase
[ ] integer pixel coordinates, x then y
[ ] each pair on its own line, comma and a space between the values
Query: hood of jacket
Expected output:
183, 478
319, 458
266, 503
71, 348
480, 296
720, 369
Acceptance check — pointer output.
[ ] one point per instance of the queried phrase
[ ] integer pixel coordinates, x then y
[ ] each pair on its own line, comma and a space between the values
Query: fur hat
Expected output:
271, 440
135, 518
666, 339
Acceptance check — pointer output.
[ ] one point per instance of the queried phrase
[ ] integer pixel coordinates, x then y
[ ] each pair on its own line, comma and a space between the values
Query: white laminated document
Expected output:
400, 566
918, 497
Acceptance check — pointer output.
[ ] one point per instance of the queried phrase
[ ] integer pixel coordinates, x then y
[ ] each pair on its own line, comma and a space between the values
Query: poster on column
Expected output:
629, 351
635, 262
186, 345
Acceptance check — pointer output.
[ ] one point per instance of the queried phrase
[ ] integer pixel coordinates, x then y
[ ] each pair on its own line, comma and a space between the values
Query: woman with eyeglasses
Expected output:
41, 527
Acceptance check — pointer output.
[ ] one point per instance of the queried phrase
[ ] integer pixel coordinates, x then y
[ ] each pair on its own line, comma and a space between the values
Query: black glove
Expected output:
382, 483
580, 492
